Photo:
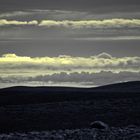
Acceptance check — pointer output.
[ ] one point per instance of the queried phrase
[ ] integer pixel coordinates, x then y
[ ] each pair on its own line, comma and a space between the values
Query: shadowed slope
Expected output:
31, 95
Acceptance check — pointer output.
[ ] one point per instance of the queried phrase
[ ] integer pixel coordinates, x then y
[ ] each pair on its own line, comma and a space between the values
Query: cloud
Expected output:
77, 78
14, 14
4, 22
60, 15
100, 78
114, 38
11, 64
104, 55
100, 69
106, 23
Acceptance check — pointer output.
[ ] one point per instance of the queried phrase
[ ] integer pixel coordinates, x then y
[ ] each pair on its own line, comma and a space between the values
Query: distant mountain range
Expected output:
31, 95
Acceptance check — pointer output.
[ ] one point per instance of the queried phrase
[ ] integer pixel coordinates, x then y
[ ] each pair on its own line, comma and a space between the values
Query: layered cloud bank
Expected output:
11, 63
106, 23
94, 70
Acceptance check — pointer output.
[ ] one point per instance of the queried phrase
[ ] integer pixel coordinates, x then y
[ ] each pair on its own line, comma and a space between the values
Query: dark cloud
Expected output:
101, 78
39, 14
79, 79
32, 40
6, 5
54, 47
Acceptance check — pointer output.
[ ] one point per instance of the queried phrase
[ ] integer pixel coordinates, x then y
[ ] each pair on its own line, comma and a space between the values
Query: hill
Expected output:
31, 95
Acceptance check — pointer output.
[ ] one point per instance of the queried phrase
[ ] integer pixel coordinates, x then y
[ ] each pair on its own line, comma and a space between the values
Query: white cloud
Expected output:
106, 23
104, 55
4, 22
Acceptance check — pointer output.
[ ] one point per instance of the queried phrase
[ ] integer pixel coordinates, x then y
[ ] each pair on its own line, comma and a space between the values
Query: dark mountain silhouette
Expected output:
48, 108
132, 86
31, 95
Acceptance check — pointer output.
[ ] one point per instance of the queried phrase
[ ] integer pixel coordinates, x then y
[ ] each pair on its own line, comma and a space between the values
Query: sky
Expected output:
69, 42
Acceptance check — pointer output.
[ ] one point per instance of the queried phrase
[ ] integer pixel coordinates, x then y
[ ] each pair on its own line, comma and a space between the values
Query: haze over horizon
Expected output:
74, 43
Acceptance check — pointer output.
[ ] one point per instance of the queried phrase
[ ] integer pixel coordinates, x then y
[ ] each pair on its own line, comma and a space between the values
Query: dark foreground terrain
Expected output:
43, 109
125, 133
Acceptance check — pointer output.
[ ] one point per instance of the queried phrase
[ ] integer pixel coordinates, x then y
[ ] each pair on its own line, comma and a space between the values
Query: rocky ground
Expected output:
69, 115
127, 133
